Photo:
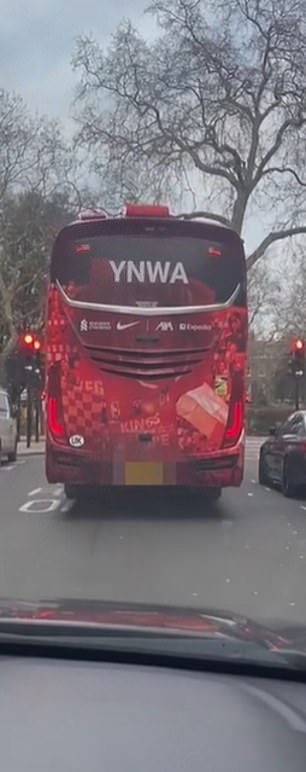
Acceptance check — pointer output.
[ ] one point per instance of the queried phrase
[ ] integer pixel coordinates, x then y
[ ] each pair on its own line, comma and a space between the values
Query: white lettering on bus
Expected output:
117, 269
135, 425
145, 270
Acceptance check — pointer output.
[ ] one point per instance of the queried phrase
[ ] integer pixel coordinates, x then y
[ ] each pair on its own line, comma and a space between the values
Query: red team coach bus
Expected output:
146, 352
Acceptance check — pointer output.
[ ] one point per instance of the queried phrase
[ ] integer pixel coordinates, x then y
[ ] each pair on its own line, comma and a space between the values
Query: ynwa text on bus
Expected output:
147, 271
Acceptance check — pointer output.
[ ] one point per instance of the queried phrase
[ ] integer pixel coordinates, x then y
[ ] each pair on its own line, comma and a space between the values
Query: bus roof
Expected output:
141, 211
96, 219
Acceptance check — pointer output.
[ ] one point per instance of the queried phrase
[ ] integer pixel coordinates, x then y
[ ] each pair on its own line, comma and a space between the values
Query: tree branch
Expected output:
283, 170
270, 239
289, 122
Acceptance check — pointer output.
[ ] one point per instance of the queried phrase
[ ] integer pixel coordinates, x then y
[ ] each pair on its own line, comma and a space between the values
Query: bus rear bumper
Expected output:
76, 467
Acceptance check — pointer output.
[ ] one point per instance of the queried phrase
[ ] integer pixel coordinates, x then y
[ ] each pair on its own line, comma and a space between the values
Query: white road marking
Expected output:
302, 506
45, 505
250, 494
268, 490
66, 506
7, 468
33, 493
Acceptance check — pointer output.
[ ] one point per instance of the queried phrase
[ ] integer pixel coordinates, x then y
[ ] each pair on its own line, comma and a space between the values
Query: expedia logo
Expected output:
193, 327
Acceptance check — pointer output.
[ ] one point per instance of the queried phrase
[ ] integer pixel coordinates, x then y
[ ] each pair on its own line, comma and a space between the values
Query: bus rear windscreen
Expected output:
146, 268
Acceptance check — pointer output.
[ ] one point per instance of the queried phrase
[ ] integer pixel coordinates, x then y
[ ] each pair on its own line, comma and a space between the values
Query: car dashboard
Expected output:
76, 716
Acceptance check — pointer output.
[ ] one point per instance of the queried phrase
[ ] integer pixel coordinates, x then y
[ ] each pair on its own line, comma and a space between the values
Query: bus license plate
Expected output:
143, 473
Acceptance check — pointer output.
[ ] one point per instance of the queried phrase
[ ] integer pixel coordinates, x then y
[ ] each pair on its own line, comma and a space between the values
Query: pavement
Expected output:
247, 553
34, 449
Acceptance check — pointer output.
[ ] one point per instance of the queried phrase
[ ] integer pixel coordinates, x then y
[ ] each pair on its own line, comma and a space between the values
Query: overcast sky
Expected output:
36, 44
37, 39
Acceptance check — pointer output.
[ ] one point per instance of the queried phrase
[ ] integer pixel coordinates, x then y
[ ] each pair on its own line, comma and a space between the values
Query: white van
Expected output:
8, 428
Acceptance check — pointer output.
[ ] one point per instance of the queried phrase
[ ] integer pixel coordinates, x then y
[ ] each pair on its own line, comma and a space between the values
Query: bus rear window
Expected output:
159, 269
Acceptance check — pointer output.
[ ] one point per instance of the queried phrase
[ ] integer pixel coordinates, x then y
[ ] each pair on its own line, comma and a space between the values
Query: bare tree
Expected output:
265, 292
38, 185
221, 94
291, 321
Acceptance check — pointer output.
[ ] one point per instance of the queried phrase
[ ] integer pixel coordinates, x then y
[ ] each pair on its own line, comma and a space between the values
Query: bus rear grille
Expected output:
147, 365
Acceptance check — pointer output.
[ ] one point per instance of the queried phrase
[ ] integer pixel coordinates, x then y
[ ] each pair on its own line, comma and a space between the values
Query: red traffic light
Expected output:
30, 342
298, 346
28, 339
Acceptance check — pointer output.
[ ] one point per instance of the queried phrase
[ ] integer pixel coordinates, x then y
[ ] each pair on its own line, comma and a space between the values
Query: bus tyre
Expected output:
78, 492
74, 491
213, 494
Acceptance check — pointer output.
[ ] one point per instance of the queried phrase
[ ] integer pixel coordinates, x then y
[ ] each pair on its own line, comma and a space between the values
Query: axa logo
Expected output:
165, 327
83, 325
147, 271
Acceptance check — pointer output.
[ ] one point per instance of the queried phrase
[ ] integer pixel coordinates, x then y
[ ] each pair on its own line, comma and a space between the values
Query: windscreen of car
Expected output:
154, 265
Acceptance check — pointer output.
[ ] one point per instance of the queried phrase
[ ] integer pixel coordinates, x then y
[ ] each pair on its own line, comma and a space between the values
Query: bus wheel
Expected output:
212, 494
76, 492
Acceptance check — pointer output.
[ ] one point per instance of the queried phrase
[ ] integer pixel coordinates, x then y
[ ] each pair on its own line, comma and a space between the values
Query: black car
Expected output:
282, 458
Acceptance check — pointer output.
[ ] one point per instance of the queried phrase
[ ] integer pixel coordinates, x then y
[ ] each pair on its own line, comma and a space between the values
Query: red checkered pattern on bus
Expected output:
56, 349
84, 412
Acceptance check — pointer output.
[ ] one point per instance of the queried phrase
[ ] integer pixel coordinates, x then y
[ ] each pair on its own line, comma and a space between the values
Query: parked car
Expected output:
282, 457
8, 428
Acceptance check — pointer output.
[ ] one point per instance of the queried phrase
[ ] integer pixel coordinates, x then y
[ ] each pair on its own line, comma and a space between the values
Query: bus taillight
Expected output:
54, 409
234, 425
55, 422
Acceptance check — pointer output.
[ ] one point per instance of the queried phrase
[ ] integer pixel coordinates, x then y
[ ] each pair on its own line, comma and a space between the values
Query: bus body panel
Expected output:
151, 392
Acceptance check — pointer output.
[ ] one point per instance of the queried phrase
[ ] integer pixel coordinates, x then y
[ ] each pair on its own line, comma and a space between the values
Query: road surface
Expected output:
246, 554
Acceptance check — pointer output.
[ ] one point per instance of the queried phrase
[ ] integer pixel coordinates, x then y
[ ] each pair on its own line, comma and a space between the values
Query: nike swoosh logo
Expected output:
121, 326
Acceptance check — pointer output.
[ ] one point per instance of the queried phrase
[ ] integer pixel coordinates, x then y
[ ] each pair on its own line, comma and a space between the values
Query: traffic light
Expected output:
29, 353
298, 357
